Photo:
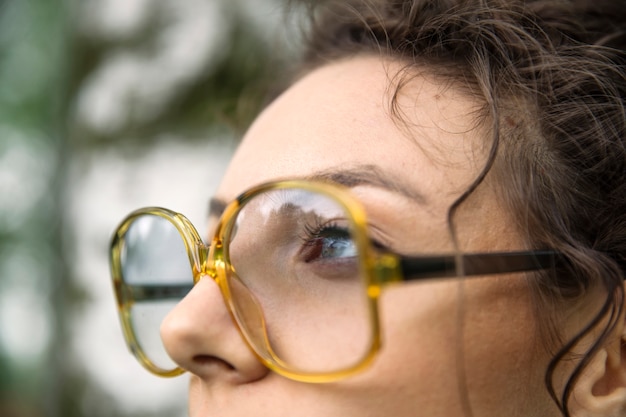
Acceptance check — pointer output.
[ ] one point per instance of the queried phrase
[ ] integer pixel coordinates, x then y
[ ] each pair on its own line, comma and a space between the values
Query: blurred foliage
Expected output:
47, 61
31, 93
226, 95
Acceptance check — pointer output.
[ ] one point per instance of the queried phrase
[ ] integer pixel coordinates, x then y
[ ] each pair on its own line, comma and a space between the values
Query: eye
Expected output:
327, 242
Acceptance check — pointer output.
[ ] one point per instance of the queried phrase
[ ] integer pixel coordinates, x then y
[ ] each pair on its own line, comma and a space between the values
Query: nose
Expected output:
200, 336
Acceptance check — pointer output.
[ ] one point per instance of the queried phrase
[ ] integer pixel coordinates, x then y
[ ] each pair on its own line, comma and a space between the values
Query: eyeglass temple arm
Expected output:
147, 292
416, 268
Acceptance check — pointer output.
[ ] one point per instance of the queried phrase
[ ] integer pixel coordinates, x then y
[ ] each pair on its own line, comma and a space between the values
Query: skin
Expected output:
338, 118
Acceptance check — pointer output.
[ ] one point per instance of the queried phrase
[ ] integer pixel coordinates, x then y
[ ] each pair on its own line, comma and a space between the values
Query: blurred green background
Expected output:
106, 106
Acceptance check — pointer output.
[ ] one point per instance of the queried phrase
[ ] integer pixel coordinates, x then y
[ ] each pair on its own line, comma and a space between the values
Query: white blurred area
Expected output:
134, 85
105, 188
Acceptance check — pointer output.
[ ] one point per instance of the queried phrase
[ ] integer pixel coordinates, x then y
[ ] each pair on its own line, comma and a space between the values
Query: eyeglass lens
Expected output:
156, 269
294, 250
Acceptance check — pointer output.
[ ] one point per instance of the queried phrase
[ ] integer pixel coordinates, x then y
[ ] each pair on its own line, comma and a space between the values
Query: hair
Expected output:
552, 75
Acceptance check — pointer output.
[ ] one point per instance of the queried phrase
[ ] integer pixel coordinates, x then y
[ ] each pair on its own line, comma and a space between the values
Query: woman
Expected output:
474, 150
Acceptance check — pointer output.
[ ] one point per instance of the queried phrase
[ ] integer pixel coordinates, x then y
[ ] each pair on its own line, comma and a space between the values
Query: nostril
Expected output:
208, 360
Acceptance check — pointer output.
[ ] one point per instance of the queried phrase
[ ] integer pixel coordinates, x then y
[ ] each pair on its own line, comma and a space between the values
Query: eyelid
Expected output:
379, 239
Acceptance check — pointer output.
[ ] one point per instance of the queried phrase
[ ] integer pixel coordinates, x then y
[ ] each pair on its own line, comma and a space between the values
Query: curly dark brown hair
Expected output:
552, 75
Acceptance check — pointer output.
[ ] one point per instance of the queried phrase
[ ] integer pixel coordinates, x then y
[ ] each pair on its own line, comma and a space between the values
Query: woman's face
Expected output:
443, 341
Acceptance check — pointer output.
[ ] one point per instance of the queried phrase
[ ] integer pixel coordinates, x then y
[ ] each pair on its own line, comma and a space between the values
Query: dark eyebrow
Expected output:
348, 177
369, 175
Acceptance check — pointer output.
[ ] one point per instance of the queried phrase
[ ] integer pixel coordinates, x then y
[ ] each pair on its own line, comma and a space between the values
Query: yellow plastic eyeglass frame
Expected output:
211, 260
379, 268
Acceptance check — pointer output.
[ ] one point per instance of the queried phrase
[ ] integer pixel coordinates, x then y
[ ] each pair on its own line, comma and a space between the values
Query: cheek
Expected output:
415, 369
499, 326
439, 333
503, 355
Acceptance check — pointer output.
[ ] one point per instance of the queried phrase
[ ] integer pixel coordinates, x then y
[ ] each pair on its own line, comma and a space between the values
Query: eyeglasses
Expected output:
297, 271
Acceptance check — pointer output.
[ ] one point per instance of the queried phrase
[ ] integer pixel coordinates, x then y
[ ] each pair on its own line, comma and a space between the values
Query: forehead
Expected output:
340, 115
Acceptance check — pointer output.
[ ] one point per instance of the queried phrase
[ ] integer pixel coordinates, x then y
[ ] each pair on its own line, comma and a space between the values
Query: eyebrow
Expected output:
369, 175
348, 177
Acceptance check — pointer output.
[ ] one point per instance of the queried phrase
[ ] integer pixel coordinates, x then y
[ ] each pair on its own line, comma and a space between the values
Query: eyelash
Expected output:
312, 232
315, 231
